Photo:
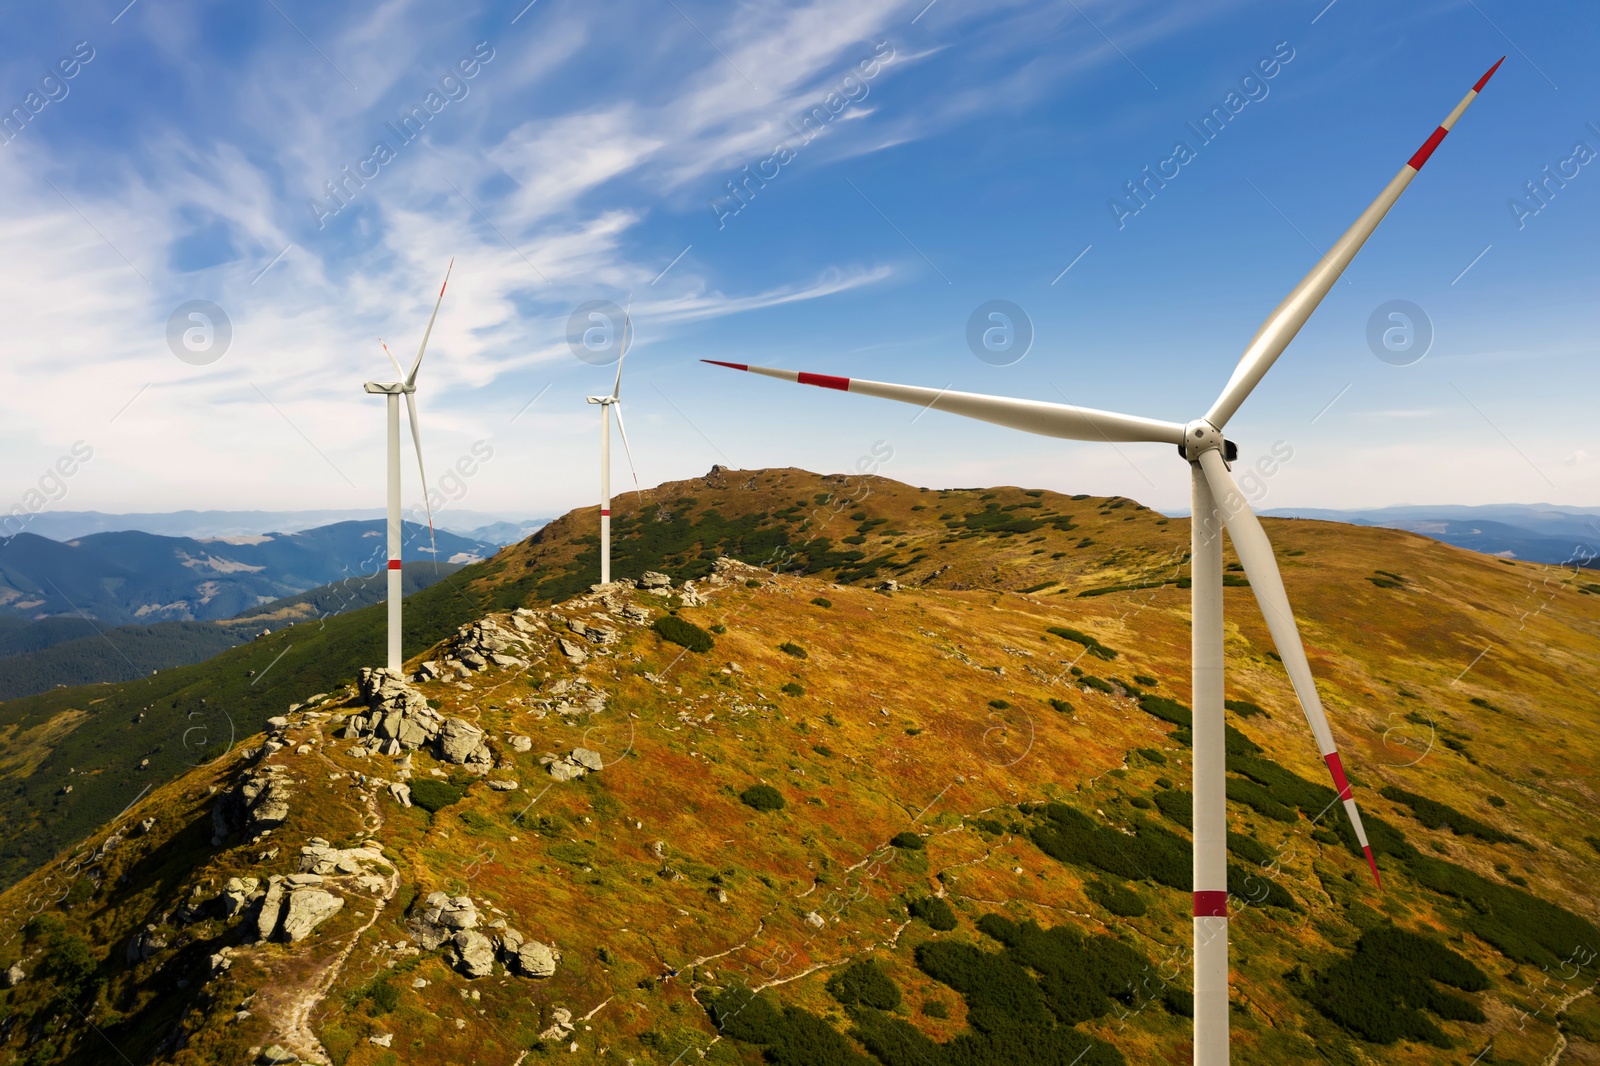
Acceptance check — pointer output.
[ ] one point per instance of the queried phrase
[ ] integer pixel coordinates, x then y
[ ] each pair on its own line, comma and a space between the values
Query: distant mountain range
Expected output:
497, 529
1541, 533
135, 577
54, 652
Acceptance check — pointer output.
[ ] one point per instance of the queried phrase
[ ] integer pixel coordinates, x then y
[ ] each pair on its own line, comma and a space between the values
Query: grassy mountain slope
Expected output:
932, 741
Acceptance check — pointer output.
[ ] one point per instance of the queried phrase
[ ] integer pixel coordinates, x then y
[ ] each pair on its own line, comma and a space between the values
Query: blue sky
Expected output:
970, 153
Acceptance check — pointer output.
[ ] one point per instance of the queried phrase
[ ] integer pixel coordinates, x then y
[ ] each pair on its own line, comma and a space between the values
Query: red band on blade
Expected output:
1211, 904
394, 564
1372, 862
825, 381
1478, 88
1416, 161
605, 514
730, 366
1336, 768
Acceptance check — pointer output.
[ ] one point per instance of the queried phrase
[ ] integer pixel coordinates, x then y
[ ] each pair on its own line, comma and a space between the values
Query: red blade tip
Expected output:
1373, 863
730, 366
1478, 88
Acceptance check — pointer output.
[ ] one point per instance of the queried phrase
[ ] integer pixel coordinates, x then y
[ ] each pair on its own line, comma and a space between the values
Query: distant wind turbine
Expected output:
1215, 495
606, 404
407, 387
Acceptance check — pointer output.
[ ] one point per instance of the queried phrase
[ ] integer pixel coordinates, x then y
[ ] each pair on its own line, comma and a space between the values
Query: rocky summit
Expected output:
843, 772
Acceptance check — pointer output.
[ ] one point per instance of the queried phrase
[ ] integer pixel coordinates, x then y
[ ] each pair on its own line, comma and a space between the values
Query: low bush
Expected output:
1246, 709
1095, 648
793, 689
686, 634
908, 841
1436, 815
1061, 705
1118, 899
762, 798
1381, 989
434, 796
791, 648
865, 984
935, 911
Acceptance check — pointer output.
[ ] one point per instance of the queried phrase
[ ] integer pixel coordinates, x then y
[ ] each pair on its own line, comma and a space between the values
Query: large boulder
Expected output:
463, 743
237, 894
474, 953
530, 958
271, 909
308, 908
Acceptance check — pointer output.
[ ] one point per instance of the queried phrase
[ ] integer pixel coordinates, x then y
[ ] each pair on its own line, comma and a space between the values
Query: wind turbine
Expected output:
393, 390
606, 404
1215, 495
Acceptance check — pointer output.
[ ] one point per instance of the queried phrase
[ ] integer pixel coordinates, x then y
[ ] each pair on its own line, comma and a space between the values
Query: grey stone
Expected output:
652, 579
276, 1054
308, 908
572, 650
521, 743
503, 786
237, 893
563, 770
14, 976
474, 953
271, 909
589, 760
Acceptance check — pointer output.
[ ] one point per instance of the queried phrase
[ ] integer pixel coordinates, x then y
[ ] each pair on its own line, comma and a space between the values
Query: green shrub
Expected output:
1095, 648
1146, 679
934, 1008
1141, 803
1090, 681
1178, 806
822, 601
1152, 755
752, 583
1379, 991
908, 841
791, 648
1496, 801
762, 798
1246, 709
384, 997
434, 796
864, 983
1061, 705
474, 820
683, 633
1436, 815
935, 911
719, 629
793, 689
999, 705
1118, 899
823, 750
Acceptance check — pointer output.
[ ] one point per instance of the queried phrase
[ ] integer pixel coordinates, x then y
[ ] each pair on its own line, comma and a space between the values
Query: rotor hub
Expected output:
1201, 436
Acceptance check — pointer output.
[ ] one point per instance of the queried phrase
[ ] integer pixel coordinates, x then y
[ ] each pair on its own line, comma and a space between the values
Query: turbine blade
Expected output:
416, 438
627, 325
1287, 318
411, 378
1255, 553
392, 359
1030, 416
628, 450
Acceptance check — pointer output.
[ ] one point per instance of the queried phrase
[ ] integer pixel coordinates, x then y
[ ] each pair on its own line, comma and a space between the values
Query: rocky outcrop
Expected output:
237, 894
567, 767
440, 918
271, 908
654, 579
527, 957
319, 857
478, 644
145, 943
399, 720
258, 801
14, 976
307, 909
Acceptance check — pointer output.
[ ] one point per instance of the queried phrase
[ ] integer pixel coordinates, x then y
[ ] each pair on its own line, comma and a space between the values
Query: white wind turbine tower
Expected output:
393, 390
1215, 496
606, 404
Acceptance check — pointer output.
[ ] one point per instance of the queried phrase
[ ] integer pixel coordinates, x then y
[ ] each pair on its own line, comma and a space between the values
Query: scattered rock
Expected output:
562, 770
257, 802
654, 579
277, 1054
144, 827
271, 909
589, 760
463, 743
503, 786
237, 894
561, 1025
572, 650
145, 943
14, 976
521, 743
401, 793
382, 1041
440, 918
814, 920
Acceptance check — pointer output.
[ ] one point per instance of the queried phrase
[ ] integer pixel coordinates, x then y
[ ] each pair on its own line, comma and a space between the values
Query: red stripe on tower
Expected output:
1416, 161
825, 381
605, 512
1211, 904
394, 564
